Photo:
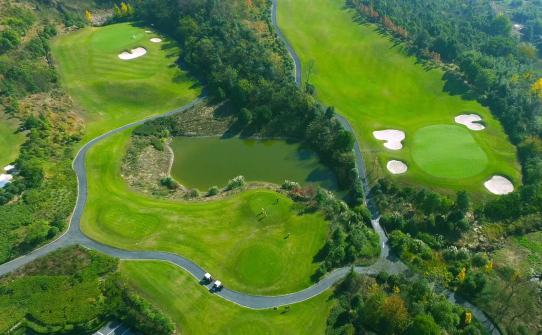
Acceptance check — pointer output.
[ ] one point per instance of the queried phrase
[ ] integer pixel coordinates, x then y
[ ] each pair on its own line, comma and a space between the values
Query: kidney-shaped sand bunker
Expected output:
137, 52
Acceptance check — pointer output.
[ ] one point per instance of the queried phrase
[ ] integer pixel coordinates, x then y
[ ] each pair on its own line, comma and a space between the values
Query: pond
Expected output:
202, 162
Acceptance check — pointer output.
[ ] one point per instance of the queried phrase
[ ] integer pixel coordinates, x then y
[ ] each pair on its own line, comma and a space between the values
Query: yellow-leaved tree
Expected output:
89, 16
124, 9
537, 88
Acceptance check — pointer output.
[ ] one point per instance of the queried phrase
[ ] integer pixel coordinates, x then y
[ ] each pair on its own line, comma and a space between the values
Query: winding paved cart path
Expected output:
387, 262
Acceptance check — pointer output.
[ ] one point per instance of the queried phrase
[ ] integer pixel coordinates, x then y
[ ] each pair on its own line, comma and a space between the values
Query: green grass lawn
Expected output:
227, 238
112, 92
375, 85
10, 142
196, 311
447, 151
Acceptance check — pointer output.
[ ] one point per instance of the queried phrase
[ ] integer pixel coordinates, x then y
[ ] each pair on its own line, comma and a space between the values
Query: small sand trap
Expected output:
499, 185
5, 178
156, 40
470, 120
396, 167
137, 52
149, 31
393, 138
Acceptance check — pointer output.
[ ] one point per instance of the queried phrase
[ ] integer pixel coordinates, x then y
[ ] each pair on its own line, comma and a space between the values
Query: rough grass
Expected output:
112, 92
447, 151
196, 311
10, 142
375, 85
219, 236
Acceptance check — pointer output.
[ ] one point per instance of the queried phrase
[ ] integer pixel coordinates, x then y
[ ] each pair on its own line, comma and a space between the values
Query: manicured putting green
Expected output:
196, 311
229, 237
447, 151
113, 92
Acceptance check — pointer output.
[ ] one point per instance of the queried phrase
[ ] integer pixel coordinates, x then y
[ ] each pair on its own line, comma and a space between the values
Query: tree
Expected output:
187, 27
536, 88
500, 25
9, 39
344, 141
116, 11
245, 116
423, 325
463, 201
330, 112
88, 15
37, 232
394, 314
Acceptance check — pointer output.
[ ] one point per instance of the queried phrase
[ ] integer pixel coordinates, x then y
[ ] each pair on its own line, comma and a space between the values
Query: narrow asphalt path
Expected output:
387, 262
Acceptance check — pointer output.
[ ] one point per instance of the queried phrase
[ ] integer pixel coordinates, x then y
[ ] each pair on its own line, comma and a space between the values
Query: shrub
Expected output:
245, 116
289, 185
52, 232
213, 190
382, 277
193, 193
169, 183
236, 182
158, 144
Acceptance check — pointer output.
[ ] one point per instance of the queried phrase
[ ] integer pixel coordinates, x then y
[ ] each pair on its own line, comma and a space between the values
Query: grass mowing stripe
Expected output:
97, 79
196, 311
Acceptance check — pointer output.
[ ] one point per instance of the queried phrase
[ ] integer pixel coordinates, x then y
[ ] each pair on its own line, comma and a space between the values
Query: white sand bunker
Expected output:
393, 138
137, 52
499, 185
149, 31
396, 167
470, 120
5, 178
156, 40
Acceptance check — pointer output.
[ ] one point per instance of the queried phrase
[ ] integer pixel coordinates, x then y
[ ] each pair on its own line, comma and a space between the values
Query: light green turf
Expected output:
447, 151
10, 142
112, 92
227, 238
375, 85
196, 311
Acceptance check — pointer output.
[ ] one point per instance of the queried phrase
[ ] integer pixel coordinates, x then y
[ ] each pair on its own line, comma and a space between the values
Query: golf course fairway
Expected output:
112, 92
195, 311
371, 81
216, 235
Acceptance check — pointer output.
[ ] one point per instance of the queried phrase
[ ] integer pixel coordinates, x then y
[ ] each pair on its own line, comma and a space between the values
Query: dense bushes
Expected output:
422, 213
74, 289
397, 305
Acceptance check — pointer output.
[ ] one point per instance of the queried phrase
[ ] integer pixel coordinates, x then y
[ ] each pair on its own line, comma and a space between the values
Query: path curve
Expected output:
387, 262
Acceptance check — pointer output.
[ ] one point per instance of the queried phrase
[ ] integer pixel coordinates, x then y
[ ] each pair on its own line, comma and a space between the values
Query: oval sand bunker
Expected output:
470, 120
137, 52
499, 185
396, 167
156, 40
392, 137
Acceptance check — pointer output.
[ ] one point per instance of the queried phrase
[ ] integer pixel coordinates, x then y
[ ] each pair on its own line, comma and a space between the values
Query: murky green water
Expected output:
205, 162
